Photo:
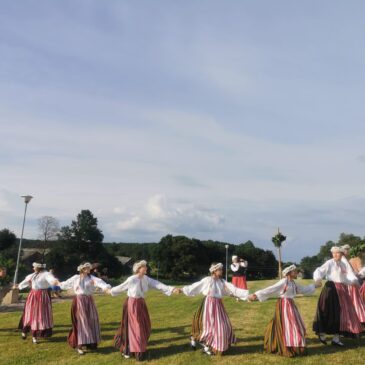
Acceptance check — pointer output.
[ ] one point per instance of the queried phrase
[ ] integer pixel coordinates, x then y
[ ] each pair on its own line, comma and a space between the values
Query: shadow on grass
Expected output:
155, 354
180, 330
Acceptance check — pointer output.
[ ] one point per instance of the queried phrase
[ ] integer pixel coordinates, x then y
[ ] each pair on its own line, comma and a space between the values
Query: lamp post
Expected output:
27, 199
227, 246
13, 295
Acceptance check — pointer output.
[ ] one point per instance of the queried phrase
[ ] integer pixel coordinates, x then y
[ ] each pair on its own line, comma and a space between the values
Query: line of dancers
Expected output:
340, 309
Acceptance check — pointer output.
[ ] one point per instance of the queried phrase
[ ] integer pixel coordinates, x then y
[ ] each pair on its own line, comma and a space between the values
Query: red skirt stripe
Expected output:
358, 302
217, 329
349, 322
37, 314
292, 324
85, 322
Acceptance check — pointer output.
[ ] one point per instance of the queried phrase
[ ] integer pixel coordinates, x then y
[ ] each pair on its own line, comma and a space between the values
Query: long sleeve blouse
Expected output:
41, 280
84, 285
137, 287
336, 271
216, 288
284, 288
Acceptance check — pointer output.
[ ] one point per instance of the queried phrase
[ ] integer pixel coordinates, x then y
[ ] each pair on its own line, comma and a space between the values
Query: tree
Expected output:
278, 240
48, 230
81, 241
7, 239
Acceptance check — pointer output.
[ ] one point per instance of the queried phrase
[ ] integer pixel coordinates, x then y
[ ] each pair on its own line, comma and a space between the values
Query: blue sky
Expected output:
214, 119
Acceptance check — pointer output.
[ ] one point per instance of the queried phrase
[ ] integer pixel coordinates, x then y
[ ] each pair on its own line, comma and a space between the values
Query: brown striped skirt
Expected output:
336, 313
135, 328
212, 327
285, 333
37, 314
85, 323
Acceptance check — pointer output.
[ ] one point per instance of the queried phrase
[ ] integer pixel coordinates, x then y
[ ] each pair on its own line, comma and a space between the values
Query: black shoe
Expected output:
322, 341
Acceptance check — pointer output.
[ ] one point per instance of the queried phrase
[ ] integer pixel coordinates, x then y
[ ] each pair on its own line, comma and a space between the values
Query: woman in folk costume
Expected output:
335, 311
285, 334
354, 289
135, 328
211, 325
85, 330
37, 315
239, 268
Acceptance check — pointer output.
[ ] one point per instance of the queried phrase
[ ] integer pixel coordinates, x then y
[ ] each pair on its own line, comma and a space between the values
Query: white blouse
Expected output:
284, 288
41, 280
235, 267
137, 287
336, 271
216, 288
84, 286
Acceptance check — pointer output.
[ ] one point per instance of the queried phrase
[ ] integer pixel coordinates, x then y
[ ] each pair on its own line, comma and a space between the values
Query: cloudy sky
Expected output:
213, 119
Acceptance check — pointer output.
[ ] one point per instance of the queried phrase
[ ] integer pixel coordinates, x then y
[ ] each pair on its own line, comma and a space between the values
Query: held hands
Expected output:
252, 297
108, 291
318, 284
177, 291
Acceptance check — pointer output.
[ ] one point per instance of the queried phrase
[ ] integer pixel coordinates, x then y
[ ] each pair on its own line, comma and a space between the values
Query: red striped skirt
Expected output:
37, 315
285, 334
135, 328
85, 322
239, 282
358, 302
212, 327
349, 321
362, 290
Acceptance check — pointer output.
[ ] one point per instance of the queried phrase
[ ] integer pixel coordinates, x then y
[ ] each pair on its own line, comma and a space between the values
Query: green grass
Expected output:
171, 319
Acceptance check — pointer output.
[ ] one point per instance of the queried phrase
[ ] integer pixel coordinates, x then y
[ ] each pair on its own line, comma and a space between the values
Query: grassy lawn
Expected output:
171, 319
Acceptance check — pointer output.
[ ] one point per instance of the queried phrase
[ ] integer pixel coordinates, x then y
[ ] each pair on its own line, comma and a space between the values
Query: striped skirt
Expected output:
37, 314
135, 327
335, 312
357, 301
285, 333
85, 322
362, 291
211, 325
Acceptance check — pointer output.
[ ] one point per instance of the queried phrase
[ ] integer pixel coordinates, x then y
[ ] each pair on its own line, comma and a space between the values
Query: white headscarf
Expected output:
138, 265
84, 266
289, 269
215, 267
37, 265
336, 249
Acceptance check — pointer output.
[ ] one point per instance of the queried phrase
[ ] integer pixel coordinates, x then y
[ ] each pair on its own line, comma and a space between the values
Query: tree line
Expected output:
177, 258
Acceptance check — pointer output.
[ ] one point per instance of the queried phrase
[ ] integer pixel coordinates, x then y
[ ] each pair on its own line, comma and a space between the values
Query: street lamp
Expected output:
27, 199
226, 246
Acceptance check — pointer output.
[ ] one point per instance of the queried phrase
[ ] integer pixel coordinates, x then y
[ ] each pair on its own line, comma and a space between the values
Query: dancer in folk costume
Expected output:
85, 330
239, 267
211, 325
285, 334
335, 311
354, 289
135, 328
37, 315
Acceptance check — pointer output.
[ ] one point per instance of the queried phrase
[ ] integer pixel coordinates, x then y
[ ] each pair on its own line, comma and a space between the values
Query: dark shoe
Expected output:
321, 340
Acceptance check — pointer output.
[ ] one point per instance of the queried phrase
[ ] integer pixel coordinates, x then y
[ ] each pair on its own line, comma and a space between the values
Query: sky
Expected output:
218, 120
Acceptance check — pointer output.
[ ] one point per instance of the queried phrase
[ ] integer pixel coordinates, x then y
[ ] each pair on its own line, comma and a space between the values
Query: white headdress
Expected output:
84, 266
336, 249
37, 265
234, 257
215, 267
345, 247
289, 269
138, 265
